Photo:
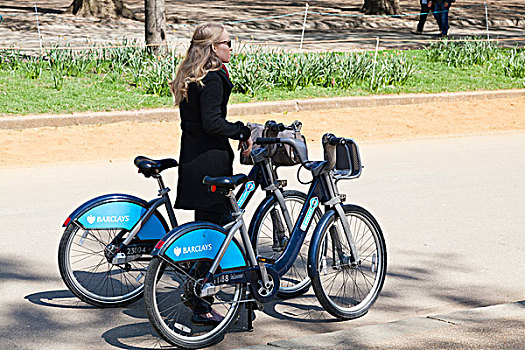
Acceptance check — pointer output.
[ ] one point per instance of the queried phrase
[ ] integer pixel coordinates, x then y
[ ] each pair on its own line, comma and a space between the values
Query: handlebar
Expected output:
330, 143
274, 127
332, 140
267, 140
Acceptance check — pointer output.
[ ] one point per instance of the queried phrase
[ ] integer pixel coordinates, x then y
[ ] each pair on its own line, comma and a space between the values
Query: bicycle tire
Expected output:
296, 281
89, 276
331, 276
170, 285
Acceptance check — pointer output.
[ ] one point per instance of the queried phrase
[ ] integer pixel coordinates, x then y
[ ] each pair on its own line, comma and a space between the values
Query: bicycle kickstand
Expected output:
249, 307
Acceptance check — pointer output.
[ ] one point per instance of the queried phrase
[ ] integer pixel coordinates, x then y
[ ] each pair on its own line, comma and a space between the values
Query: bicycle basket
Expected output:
348, 162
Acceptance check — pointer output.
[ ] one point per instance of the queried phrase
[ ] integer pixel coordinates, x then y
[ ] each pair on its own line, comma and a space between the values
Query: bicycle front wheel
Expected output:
90, 276
171, 296
347, 290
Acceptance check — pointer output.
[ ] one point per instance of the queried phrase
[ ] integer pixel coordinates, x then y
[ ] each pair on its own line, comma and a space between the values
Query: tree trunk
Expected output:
100, 9
156, 26
381, 7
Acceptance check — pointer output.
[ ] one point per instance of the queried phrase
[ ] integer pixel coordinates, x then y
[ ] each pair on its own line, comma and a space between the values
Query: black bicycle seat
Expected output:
150, 167
225, 182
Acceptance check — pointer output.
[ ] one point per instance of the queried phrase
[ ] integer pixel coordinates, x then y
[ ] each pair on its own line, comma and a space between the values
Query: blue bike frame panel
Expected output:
118, 212
314, 198
201, 243
247, 190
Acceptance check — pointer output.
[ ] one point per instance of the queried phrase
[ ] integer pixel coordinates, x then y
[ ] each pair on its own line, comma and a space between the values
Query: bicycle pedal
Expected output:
265, 260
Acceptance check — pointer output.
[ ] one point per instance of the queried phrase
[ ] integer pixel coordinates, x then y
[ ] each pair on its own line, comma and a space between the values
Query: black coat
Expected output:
205, 149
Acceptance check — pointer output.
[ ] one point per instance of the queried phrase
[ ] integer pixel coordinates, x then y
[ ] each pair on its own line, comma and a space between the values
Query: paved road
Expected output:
451, 210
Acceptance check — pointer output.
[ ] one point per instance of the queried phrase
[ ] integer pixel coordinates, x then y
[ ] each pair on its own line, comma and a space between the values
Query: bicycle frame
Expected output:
236, 276
165, 200
262, 174
322, 191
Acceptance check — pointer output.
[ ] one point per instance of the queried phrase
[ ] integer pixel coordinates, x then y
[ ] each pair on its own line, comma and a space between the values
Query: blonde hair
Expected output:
200, 59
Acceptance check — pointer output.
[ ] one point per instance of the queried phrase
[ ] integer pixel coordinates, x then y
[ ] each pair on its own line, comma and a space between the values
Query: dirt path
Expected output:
108, 142
328, 22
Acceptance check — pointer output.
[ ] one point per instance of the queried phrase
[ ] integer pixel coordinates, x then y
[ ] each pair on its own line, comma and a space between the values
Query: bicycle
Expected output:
203, 261
106, 246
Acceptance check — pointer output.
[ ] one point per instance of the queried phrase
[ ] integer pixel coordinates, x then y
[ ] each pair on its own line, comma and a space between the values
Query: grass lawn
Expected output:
106, 92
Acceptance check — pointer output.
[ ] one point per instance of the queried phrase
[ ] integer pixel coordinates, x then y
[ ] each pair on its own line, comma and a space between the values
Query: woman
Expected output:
201, 89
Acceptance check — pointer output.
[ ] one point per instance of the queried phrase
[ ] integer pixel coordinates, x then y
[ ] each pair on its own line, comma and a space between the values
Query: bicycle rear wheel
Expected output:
170, 296
88, 274
347, 291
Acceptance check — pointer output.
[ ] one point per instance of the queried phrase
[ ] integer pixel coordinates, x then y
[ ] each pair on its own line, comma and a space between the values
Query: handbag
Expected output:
280, 154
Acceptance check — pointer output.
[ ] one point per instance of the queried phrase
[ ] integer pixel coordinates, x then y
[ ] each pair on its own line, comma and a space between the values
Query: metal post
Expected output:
487, 20
304, 26
172, 60
375, 62
39, 36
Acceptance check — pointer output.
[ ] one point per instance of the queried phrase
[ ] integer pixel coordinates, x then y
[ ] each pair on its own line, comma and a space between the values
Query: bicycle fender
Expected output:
314, 243
197, 241
118, 211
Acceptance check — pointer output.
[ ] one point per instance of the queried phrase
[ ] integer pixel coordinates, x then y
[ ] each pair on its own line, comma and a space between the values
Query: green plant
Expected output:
248, 74
394, 70
135, 69
58, 79
32, 67
514, 63
157, 76
462, 53
10, 59
353, 69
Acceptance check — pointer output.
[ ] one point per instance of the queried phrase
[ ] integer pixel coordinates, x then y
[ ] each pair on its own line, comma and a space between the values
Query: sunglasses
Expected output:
227, 42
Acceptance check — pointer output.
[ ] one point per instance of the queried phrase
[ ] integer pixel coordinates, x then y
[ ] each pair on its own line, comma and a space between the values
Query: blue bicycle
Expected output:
201, 262
106, 246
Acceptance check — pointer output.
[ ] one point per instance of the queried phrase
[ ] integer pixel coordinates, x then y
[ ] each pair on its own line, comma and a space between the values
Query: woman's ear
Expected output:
214, 48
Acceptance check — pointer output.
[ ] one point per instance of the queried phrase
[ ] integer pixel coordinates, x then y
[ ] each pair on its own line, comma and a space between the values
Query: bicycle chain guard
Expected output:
257, 289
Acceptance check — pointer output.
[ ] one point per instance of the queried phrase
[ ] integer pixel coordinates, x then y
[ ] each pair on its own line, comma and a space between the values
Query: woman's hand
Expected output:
246, 146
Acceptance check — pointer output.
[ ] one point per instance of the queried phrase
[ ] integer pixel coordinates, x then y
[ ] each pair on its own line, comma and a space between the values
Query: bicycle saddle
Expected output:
226, 182
151, 167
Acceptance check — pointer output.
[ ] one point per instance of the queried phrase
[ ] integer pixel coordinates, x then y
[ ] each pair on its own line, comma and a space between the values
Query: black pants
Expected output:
423, 16
220, 219
203, 306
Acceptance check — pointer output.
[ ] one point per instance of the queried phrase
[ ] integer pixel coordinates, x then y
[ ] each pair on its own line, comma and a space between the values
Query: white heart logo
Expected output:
177, 251
91, 219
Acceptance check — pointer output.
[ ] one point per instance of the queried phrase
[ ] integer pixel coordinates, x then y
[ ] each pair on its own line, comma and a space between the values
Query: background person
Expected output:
426, 7
201, 89
441, 14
